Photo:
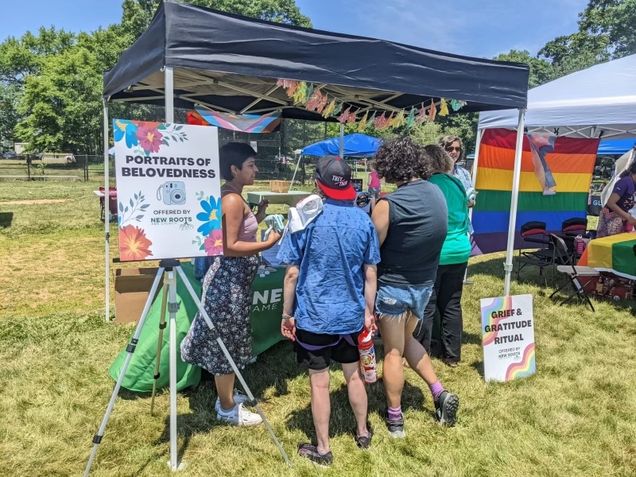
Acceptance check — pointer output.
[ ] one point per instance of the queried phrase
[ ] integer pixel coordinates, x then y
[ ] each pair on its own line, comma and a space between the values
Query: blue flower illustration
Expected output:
211, 216
127, 129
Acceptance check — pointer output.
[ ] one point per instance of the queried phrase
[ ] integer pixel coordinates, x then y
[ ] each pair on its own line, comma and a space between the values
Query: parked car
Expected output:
9, 155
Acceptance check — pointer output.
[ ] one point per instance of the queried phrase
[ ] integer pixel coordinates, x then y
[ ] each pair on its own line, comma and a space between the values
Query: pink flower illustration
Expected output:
213, 243
149, 137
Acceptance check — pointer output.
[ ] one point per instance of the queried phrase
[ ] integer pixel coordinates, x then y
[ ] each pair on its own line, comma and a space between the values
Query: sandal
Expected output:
310, 452
364, 442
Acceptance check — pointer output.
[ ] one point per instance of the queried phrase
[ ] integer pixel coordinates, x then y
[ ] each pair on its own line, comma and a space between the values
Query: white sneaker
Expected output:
239, 398
239, 416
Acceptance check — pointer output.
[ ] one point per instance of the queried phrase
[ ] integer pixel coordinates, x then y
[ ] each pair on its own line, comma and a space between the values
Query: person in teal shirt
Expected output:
444, 306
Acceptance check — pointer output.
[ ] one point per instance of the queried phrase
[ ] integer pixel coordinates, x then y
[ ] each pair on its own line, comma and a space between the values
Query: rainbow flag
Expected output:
556, 173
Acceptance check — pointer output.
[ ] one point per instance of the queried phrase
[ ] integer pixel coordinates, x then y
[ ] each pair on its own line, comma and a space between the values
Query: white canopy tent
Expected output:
599, 101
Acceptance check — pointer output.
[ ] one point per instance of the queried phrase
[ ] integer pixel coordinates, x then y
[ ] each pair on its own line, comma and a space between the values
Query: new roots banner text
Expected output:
556, 173
168, 190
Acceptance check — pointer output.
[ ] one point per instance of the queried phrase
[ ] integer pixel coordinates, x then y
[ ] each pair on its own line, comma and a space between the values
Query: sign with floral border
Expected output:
168, 190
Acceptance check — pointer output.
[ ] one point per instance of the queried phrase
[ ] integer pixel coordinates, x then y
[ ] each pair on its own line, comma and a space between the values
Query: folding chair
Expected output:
571, 229
575, 274
535, 232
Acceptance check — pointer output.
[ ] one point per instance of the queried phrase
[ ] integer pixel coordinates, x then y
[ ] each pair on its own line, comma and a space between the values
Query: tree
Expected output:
615, 21
137, 14
575, 52
61, 106
541, 70
20, 58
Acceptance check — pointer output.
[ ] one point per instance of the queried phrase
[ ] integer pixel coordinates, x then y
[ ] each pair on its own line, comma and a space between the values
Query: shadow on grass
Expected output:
258, 376
494, 268
342, 420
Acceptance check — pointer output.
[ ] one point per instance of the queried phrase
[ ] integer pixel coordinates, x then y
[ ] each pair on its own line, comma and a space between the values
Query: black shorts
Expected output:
342, 352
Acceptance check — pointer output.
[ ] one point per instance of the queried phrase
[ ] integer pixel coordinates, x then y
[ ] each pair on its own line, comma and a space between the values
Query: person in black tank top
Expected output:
411, 224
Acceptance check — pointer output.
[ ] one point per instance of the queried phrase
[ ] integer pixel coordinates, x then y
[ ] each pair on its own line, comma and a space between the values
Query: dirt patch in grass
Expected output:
33, 202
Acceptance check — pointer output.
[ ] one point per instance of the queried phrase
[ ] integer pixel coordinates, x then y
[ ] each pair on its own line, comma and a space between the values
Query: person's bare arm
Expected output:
613, 206
370, 288
233, 212
288, 323
380, 219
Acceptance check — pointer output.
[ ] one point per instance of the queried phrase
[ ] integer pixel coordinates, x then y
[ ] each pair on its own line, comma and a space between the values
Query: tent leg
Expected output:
516, 177
300, 158
106, 218
168, 78
341, 146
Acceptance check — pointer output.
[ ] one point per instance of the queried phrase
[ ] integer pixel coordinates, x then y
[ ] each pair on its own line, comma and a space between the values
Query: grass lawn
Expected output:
576, 416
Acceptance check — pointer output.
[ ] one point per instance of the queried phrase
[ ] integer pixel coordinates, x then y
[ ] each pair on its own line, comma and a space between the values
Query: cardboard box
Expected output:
132, 286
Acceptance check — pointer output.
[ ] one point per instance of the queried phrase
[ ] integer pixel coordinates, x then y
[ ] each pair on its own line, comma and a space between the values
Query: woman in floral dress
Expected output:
227, 287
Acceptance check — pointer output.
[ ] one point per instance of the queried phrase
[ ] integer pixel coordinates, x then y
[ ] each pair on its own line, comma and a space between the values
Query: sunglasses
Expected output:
451, 148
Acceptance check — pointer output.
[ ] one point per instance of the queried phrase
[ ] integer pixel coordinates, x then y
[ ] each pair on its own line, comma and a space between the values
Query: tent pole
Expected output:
300, 158
341, 144
516, 177
168, 78
106, 218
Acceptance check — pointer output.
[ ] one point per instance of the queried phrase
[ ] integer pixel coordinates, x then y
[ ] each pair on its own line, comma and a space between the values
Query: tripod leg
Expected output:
238, 374
162, 326
130, 349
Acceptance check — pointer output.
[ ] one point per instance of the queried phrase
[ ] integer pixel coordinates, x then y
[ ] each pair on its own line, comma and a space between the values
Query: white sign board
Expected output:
507, 326
168, 190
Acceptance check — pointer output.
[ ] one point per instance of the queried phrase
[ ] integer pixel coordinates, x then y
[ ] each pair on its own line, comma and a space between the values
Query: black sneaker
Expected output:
395, 426
364, 442
310, 452
446, 406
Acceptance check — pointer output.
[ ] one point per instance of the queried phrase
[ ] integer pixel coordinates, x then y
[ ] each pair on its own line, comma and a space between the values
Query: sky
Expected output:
482, 28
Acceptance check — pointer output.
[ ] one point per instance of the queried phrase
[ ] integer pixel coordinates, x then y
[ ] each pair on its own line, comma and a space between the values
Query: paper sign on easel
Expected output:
507, 326
168, 190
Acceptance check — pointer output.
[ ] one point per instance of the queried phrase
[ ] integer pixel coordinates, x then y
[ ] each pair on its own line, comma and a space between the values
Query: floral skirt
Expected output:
227, 298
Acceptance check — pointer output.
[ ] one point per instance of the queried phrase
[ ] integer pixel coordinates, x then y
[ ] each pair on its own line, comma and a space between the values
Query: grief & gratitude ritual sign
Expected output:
168, 190
507, 326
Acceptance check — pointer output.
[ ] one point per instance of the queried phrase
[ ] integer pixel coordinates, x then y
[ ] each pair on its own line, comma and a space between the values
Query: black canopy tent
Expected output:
192, 55
232, 63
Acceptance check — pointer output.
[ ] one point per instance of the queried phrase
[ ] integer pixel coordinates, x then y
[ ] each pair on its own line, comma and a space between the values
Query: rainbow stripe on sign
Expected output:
570, 162
527, 366
498, 304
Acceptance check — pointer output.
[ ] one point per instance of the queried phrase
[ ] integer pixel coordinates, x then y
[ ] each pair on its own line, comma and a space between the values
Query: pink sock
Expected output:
436, 389
395, 412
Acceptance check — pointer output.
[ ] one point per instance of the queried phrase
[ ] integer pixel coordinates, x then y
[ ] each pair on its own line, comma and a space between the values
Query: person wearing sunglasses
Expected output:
454, 147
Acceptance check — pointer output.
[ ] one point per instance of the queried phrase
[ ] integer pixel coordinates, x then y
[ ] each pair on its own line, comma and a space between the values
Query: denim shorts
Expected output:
398, 299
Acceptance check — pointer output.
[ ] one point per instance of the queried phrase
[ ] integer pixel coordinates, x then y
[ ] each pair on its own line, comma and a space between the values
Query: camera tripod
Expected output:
171, 267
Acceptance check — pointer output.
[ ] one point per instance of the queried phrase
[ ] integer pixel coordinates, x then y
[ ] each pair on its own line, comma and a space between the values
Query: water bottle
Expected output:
367, 356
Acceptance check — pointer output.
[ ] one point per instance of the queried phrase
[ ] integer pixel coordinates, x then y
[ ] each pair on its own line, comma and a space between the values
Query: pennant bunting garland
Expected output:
313, 99
443, 107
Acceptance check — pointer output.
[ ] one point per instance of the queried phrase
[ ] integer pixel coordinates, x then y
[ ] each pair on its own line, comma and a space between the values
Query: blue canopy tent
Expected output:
357, 145
616, 146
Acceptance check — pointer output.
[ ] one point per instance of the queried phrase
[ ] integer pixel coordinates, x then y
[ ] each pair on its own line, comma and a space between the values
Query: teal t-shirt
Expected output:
456, 248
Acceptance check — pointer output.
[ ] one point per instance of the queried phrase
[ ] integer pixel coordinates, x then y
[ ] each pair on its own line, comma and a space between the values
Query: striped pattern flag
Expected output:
248, 123
570, 163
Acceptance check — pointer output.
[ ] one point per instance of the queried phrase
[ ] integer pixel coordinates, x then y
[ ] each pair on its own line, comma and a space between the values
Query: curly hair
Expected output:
446, 141
439, 160
401, 160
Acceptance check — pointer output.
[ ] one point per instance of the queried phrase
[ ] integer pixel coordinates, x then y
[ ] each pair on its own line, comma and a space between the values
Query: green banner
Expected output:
267, 306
